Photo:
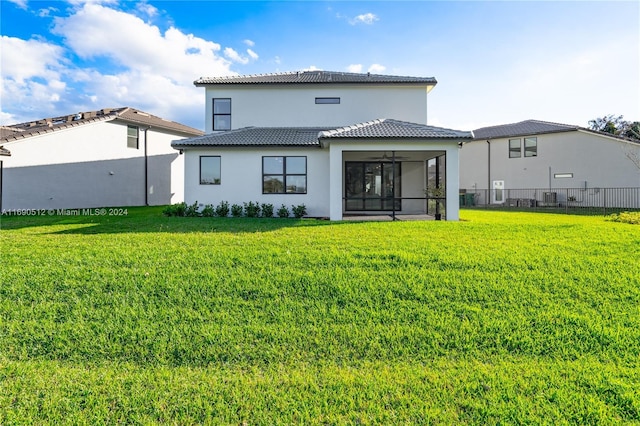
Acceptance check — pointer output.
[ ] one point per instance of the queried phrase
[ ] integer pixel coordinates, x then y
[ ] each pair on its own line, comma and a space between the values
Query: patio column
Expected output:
453, 182
335, 182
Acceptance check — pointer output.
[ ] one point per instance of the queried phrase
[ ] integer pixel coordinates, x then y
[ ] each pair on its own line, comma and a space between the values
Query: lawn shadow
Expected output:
151, 219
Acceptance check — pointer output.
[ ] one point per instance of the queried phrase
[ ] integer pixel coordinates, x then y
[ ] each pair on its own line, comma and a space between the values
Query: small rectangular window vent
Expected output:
327, 101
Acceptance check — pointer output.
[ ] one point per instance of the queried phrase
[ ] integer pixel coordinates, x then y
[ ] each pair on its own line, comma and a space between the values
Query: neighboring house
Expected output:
339, 143
111, 157
551, 156
5, 153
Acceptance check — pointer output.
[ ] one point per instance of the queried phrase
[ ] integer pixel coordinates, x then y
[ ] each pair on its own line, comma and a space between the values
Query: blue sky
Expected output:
495, 62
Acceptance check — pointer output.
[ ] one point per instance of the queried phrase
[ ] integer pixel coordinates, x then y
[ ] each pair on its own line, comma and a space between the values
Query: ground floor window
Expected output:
210, 170
284, 175
372, 186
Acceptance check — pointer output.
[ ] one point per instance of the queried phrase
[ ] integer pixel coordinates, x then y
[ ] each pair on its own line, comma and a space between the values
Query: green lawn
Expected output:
502, 317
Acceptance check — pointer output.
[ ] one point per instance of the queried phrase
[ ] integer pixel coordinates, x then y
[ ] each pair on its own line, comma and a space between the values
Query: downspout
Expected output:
146, 169
488, 172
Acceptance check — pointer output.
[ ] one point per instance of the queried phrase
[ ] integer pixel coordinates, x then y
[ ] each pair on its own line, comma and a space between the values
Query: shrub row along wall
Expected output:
223, 209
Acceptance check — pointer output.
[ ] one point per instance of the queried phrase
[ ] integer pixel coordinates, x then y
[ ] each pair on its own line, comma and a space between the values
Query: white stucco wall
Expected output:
91, 166
595, 161
241, 178
286, 105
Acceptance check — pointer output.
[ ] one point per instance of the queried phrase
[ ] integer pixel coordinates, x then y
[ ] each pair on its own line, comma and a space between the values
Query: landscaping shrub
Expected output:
252, 209
208, 211
177, 209
632, 218
192, 210
299, 210
222, 209
236, 210
267, 210
283, 211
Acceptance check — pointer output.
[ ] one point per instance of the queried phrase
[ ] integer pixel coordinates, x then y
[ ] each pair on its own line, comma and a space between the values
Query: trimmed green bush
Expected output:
299, 210
252, 209
222, 209
267, 210
283, 211
236, 210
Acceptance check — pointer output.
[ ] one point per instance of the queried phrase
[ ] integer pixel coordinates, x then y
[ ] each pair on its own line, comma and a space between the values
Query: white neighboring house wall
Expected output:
91, 166
594, 160
276, 105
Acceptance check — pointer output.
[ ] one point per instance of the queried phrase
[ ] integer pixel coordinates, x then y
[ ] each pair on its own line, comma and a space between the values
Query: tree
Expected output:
608, 124
616, 125
632, 130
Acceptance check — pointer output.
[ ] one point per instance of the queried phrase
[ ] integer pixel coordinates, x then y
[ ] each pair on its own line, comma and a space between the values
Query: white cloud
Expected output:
22, 4
249, 43
355, 68
44, 13
235, 56
157, 69
365, 18
377, 68
147, 9
312, 68
146, 69
252, 54
25, 59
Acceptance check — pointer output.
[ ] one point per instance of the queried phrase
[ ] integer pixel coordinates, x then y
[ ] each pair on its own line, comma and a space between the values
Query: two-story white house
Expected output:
106, 158
339, 143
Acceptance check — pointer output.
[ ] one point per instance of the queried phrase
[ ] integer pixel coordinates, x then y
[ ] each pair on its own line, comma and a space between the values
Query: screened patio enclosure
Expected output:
394, 182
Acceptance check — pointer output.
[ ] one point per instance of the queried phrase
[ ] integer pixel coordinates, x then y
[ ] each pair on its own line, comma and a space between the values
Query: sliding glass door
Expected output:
369, 186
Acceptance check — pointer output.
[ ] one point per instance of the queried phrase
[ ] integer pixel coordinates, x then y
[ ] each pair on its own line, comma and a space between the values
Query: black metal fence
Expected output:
557, 200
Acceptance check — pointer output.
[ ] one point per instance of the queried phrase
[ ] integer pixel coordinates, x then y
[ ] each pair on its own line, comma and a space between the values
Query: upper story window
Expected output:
327, 100
284, 175
515, 150
221, 114
210, 170
133, 137
530, 147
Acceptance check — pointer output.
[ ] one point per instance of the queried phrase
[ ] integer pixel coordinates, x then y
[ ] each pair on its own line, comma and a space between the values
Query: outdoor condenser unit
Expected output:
550, 197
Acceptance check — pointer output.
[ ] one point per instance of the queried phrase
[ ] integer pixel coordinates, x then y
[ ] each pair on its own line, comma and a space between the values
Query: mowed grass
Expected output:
502, 317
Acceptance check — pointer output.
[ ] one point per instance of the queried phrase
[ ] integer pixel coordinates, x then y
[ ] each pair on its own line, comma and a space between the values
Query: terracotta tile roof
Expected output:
316, 77
387, 128
310, 136
130, 115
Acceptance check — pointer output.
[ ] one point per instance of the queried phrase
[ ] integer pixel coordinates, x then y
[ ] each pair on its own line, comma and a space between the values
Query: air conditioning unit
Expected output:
550, 197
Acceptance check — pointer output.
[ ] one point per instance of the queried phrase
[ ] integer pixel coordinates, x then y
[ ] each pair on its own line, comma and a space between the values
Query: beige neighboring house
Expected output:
538, 154
111, 157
